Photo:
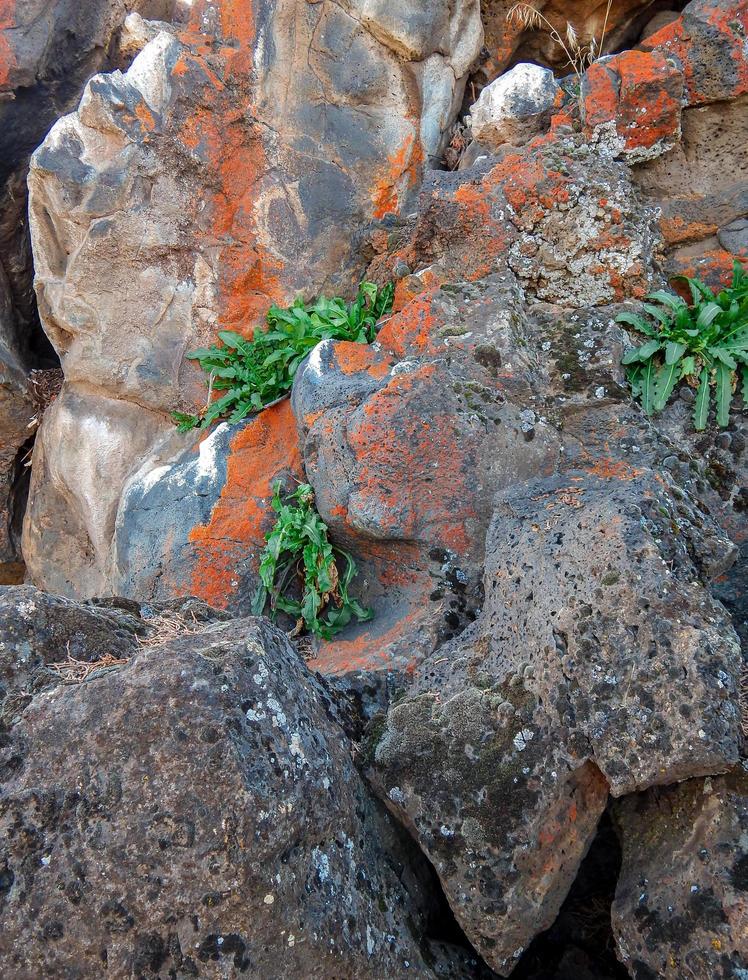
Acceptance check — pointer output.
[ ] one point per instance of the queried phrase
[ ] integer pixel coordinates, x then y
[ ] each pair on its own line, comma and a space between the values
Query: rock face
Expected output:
164, 209
47, 52
219, 828
514, 107
681, 899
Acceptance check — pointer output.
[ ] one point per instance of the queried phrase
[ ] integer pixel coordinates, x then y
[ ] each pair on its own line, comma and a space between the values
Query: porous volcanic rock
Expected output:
190, 192
681, 905
599, 663
197, 812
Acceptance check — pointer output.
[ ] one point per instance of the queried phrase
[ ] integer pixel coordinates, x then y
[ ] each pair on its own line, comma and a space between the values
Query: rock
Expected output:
197, 812
680, 904
193, 190
636, 98
662, 19
561, 214
708, 43
39, 629
582, 675
515, 106
82, 457
700, 187
217, 493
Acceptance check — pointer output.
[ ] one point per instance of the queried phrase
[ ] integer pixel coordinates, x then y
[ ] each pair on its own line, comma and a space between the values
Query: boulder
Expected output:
680, 907
193, 190
217, 492
514, 107
196, 812
599, 663
634, 98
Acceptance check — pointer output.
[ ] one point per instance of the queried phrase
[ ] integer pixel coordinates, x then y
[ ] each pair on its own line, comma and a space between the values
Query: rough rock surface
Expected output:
218, 828
579, 676
680, 907
514, 107
192, 191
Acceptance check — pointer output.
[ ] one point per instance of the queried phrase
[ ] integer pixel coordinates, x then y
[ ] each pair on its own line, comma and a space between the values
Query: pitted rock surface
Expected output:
198, 812
599, 661
680, 904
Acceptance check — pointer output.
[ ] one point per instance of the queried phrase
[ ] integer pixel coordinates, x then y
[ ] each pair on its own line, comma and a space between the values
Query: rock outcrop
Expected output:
192, 191
217, 829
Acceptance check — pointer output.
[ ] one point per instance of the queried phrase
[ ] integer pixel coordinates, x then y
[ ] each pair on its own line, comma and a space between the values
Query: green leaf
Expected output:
668, 299
637, 322
673, 352
649, 377
723, 376
701, 405
744, 387
720, 354
707, 315
665, 381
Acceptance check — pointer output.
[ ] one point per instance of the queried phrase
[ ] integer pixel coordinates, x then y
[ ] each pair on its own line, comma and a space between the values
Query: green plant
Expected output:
258, 372
705, 343
298, 549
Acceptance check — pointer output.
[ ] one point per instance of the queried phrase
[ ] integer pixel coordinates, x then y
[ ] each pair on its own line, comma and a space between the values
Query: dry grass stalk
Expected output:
74, 671
169, 626
579, 54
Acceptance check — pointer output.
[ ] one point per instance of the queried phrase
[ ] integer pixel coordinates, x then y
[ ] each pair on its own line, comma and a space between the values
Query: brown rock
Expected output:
680, 907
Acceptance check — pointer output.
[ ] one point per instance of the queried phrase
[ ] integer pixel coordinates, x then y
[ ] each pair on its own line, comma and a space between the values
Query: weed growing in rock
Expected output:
298, 552
705, 343
580, 54
258, 372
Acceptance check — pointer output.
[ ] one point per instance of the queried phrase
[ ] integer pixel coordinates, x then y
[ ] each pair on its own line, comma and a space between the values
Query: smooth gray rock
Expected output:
515, 106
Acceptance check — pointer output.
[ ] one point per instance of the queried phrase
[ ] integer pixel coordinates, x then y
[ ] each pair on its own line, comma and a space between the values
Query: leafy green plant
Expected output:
704, 343
298, 551
258, 372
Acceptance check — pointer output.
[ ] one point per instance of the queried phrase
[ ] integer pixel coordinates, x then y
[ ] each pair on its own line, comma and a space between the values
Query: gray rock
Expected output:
600, 662
680, 906
197, 813
38, 629
515, 106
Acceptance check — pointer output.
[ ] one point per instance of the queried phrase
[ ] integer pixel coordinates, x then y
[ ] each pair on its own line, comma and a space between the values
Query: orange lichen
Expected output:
411, 329
261, 452
354, 358
7, 58
403, 173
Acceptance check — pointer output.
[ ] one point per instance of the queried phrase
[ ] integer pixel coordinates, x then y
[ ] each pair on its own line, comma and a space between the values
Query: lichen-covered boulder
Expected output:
197, 812
514, 107
637, 97
598, 663
560, 213
680, 906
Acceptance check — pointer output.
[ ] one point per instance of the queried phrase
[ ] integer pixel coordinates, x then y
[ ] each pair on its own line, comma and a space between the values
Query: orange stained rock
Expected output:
249, 275
414, 466
607, 468
354, 358
261, 453
410, 330
7, 58
714, 267
728, 20
403, 172
676, 229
